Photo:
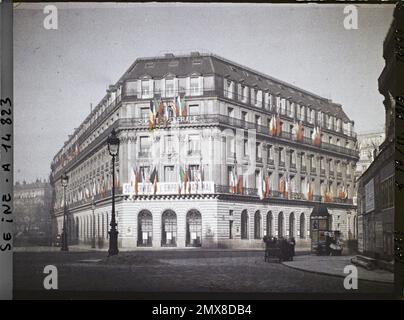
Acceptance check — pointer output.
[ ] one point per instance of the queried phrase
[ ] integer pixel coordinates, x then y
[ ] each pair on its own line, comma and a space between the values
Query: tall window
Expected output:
244, 116
194, 86
169, 228
245, 147
258, 151
257, 225
244, 225
270, 153
169, 87
193, 144
169, 175
145, 88
193, 109
281, 156
193, 170
144, 113
302, 232
144, 173
144, 146
168, 144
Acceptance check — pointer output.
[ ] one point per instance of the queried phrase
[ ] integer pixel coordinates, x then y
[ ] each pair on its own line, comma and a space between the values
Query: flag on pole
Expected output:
240, 184
154, 179
189, 179
278, 125
160, 112
152, 113
182, 180
174, 107
136, 182
287, 186
262, 191
183, 107
272, 126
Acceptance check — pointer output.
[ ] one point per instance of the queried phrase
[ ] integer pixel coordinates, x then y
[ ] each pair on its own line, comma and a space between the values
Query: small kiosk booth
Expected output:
319, 228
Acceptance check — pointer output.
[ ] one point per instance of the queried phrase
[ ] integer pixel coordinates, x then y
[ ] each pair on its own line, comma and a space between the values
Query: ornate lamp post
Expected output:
64, 181
93, 208
113, 149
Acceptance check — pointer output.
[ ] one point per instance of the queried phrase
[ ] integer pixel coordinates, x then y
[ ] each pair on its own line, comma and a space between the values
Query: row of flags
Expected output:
91, 190
275, 130
236, 182
159, 111
185, 177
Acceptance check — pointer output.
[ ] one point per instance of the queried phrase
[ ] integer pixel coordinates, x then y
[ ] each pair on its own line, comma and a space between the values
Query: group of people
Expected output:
281, 248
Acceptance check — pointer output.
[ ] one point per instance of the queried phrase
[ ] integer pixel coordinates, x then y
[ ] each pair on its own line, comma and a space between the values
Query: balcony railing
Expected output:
313, 170
194, 188
207, 119
169, 188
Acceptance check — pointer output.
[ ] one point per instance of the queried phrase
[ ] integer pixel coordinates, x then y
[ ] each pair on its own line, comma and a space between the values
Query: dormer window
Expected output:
145, 87
194, 86
169, 87
173, 63
149, 65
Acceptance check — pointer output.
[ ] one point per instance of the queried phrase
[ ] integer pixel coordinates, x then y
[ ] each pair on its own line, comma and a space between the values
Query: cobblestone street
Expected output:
176, 271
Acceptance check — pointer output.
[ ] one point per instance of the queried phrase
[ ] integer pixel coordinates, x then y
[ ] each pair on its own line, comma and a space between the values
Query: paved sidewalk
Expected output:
334, 265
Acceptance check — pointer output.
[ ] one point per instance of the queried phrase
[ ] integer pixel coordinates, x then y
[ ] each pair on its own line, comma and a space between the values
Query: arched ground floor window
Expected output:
145, 228
194, 228
244, 224
169, 228
257, 225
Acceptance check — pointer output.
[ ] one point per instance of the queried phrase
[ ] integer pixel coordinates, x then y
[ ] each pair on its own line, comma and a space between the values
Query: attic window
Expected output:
149, 65
233, 68
173, 63
245, 73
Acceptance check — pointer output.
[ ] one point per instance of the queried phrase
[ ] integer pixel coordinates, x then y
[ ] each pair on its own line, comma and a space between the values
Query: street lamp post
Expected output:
93, 208
113, 149
64, 181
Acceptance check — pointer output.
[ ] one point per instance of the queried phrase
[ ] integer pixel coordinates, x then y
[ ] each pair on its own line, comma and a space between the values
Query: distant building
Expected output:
376, 184
32, 209
368, 144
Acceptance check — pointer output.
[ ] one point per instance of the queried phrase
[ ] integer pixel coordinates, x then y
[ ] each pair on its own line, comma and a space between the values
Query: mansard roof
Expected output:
209, 64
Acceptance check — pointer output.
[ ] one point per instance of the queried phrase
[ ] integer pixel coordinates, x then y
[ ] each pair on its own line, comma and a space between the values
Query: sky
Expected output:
58, 73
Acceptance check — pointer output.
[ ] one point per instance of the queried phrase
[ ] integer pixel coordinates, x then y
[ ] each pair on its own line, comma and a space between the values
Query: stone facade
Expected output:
224, 133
